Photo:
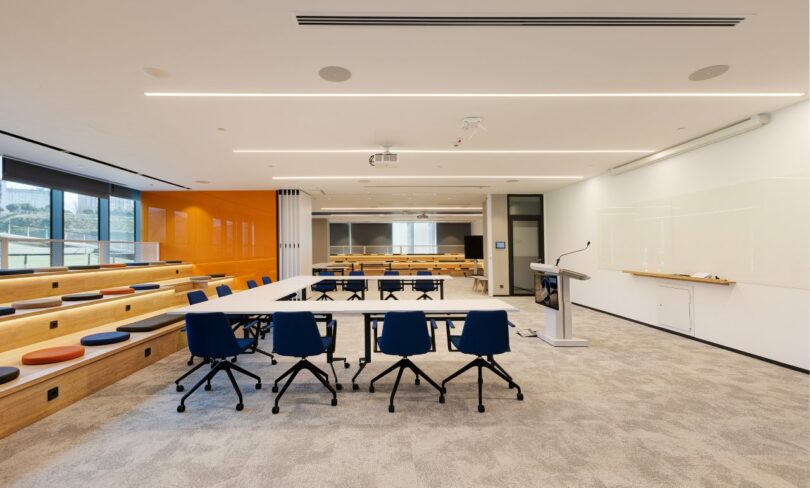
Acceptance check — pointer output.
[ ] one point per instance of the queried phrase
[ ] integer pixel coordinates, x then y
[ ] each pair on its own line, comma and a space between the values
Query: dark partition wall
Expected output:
371, 235
452, 233
338, 234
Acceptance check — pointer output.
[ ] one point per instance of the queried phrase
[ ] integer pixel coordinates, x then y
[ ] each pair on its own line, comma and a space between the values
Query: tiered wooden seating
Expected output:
109, 354
408, 264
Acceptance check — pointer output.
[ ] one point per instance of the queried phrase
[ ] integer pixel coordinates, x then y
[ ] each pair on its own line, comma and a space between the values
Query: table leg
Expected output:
381, 291
441, 289
304, 294
367, 350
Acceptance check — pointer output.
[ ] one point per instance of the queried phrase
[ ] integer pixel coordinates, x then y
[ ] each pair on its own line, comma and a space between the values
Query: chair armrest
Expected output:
374, 324
510, 323
449, 325
433, 324
331, 326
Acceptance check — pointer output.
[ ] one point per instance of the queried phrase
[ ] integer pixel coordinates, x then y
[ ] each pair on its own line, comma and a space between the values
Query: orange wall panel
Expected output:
232, 232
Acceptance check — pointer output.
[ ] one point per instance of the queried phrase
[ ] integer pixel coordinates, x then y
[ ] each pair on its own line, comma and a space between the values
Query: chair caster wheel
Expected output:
258, 386
338, 386
273, 361
520, 396
391, 409
190, 362
355, 386
371, 389
481, 408
334, 402
274, 410
239, 407
346, 365
441, 398
274, 389
179, 388
207, 387
417, 382
181, 408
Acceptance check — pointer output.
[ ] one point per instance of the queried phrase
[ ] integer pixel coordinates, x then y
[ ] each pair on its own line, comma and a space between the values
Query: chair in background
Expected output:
223, 291
405, 334
266, 280
390, 286
325, 286
251, 284
355, 286
425, 286
210, 336
485, 334
296, 334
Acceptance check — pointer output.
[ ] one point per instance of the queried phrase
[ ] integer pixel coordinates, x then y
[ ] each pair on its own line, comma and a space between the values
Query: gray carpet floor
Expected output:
638, 408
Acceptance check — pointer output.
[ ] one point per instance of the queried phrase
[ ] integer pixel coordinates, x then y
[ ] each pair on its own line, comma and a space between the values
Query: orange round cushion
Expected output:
53, 355
117, 291
113, 265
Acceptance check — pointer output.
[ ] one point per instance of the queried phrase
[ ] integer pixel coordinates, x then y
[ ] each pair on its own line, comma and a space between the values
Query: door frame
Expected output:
541, 254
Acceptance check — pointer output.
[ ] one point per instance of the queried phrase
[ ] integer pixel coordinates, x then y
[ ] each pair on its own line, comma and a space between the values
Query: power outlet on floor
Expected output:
147, 352
55, 284
54, 324
53, 393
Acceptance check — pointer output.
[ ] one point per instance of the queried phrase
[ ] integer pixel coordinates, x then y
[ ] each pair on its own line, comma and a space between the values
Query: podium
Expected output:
552, 288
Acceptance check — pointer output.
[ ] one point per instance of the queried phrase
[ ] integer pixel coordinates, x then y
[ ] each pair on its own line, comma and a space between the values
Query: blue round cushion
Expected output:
7, 311
137, 264
145, 286
8, 272
104, 338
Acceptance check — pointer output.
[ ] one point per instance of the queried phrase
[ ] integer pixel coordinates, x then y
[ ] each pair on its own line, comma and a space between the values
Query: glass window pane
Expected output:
122, 228
25, 211
525, 205
81, 224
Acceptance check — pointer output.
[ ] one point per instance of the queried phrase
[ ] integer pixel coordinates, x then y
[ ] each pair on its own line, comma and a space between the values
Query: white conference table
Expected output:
267, 299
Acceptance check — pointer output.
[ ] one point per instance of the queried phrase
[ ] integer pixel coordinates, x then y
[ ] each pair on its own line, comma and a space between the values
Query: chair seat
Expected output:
8, 272
8, 373
7, 311
117, 291
37, 303
150, 324
81, 297
145, 286
113, 265
104, 338
53, 355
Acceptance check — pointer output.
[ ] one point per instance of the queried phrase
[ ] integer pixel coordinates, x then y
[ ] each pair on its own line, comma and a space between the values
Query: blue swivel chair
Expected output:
296, 334
390, 286
355, 286
252, 326
251, 284
210, 336
223, 291
425, 286
485, 334
266, 280
325, 286
405, 334
194, 297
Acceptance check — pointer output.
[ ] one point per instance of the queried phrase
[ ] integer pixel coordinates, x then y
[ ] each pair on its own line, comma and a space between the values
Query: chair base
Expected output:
217, 366
318, 373
324, 296
390, 296
354, 296
491, 365
401, 365
425, 296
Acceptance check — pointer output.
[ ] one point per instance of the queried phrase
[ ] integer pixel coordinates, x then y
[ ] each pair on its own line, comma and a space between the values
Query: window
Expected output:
122, 228
81, 224
414, 237
25, 211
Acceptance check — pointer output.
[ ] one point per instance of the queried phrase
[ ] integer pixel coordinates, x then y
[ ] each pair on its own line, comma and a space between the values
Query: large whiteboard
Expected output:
753, 232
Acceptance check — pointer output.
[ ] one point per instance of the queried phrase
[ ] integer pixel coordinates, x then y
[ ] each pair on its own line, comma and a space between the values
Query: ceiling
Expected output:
73, 77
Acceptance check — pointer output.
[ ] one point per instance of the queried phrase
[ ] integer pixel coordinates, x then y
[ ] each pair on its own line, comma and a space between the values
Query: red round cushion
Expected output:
53, 355
117, 291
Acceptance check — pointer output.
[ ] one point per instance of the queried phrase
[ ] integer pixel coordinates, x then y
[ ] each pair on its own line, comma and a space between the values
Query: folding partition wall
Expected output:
294, 233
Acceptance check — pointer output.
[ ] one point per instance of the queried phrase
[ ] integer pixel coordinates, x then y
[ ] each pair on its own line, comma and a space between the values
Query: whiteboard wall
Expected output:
754, 232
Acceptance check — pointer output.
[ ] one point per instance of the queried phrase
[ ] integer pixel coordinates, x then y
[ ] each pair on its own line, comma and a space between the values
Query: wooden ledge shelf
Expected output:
669, 276
74, 272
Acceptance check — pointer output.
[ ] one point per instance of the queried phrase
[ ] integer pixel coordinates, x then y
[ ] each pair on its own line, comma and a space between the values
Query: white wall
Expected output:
497, 221
769, 321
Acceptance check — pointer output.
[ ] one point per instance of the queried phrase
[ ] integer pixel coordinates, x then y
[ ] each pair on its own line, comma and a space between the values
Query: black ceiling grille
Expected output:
386, 20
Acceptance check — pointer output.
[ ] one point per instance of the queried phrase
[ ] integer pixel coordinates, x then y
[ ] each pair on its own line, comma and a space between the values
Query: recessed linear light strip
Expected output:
402, 208
470, 95
440, 177
444, 151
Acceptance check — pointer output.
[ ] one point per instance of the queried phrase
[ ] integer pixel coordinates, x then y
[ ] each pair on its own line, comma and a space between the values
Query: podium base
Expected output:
556, 342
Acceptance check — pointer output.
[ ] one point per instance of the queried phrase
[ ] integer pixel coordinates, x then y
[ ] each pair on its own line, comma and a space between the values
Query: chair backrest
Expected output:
355, 285
210, 335
196, 296
223, 291
266, 280
485, 333
296, 334
251, 284
405, 334
424, 285
391, 273
328, 285
391, 285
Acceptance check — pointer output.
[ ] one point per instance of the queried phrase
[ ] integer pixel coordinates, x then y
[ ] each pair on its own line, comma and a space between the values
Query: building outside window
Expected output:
81, 224
25, 211
122, 228
414, 237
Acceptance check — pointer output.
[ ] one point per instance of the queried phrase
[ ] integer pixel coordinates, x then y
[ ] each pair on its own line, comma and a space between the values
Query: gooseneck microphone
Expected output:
572, 252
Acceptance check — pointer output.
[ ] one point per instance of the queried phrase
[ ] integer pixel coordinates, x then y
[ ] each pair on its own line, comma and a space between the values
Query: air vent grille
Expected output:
602, 21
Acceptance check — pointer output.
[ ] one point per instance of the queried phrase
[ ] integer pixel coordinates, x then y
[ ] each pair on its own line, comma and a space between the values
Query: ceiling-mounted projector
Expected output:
422, 216
385, 159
